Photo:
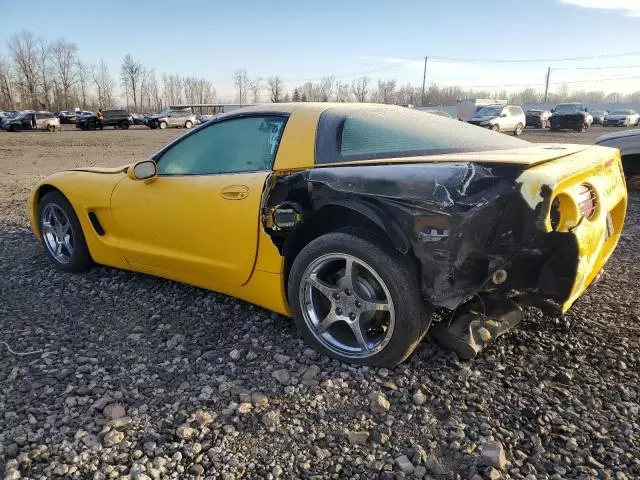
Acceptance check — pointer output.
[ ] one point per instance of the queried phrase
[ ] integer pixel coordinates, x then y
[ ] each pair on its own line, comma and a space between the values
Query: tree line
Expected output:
44, 75
39, 74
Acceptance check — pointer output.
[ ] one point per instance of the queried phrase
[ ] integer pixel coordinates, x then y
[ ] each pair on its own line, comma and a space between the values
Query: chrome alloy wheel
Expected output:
347, 306
57, 233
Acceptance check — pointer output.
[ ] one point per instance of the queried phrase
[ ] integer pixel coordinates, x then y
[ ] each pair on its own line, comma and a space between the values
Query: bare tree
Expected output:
342, 92
241, 82
359, 87
310, 92
255, 86
276, 85
131, 74
325, 88
149, 93
172, 89
46, 72
65, 65
23, 49
105, 84
84, 73
386, 91
7, 98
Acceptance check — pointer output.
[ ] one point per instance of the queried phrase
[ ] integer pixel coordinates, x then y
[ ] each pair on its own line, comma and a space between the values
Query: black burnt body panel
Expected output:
461, 222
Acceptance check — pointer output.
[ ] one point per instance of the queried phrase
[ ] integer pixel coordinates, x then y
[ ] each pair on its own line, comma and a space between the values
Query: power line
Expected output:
557, 83
598, 68
535, 60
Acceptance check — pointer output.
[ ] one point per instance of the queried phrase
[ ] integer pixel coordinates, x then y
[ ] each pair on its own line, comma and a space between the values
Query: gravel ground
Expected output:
129, 376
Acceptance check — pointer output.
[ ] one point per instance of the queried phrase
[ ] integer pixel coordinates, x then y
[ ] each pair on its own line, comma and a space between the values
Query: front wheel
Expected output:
163, 125
357, 301
124, 125
518, 131
188, 124
62, 234
495, 127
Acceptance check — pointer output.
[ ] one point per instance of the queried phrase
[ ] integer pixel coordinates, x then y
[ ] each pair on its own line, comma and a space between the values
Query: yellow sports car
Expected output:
358, 220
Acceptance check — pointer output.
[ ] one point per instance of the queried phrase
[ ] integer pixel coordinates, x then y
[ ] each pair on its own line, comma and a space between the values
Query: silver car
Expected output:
628, 142
172, 118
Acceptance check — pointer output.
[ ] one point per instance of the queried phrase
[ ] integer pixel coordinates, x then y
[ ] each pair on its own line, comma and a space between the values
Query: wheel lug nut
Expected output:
352, 316
347, 292
338, 311
358, 304
336, 296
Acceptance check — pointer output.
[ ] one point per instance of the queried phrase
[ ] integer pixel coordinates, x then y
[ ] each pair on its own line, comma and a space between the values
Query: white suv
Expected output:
501, 118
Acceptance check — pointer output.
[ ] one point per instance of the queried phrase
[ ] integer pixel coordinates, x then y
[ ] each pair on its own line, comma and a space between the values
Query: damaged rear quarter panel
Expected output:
460, 220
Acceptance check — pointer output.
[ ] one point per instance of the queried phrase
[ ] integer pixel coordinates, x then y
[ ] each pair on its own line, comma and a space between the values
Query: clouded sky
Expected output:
304, 40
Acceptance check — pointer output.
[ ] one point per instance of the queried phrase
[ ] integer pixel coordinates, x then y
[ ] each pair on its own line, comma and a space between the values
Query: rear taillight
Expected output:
587, 200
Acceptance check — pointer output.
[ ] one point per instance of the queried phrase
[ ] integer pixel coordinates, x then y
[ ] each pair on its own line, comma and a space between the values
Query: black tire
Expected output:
81, 258
519, 129
495, 127
412, 315
124, 125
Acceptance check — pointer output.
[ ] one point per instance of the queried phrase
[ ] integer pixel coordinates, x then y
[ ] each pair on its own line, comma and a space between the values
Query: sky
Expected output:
302, 40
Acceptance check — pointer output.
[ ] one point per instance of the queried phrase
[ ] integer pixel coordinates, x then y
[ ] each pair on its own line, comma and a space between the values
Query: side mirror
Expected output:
144, 170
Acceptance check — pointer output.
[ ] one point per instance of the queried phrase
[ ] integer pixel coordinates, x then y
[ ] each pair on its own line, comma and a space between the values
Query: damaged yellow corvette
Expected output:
357, 220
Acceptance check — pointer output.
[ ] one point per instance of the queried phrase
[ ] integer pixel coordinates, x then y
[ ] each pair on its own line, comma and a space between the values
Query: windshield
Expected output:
622, 112
534, 112
569, 108
164, 113
349, 134
489, 112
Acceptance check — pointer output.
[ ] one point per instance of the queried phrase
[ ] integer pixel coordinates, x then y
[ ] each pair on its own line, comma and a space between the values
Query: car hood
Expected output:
564, 114
616, 135
619, 117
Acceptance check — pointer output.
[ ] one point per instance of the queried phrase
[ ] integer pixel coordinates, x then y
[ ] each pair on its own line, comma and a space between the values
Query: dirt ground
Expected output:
29, 156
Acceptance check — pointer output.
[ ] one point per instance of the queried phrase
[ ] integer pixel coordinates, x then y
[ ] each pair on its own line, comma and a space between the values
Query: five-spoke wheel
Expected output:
357, 300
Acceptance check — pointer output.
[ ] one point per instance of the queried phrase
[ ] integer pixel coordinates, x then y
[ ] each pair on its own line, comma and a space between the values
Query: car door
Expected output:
200, 216
173, 119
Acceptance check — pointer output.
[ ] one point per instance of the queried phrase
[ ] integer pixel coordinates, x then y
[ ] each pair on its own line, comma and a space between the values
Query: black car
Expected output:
112, 118
537, 118
67, 117
569, 116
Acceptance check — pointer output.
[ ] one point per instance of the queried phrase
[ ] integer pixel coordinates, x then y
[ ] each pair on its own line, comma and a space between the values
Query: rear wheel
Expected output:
62, 234
357, 301
124, 125
518, 131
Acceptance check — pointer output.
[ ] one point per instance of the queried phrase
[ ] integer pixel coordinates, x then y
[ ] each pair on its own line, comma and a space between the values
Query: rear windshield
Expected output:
346, 135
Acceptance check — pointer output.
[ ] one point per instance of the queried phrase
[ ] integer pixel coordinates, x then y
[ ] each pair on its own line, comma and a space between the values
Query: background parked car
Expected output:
628, 142
622, 118
138, 119
501, 118
438, 112
570, 116
599, 116
117, 118
172, 118
32, 121
67, 117
538, 118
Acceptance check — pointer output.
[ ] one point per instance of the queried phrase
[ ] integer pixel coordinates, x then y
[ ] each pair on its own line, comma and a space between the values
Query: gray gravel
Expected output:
144, 378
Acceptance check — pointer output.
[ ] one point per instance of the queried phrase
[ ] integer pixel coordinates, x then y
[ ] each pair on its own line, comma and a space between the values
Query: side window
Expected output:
515, 111
245, 144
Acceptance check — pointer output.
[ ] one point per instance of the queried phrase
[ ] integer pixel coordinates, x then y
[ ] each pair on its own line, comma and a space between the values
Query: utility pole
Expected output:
546, 87
424, 79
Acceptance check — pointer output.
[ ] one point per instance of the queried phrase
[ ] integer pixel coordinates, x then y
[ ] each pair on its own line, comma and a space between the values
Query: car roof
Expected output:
308, 107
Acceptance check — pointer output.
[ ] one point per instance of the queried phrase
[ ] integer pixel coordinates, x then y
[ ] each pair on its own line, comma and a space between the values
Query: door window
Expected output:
246, 144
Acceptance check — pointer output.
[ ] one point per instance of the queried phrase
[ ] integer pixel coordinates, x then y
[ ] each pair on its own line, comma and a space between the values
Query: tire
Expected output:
519, 129
634, 183
495, 127
407, 317
77, 255
124, 125
162, 125
188, 124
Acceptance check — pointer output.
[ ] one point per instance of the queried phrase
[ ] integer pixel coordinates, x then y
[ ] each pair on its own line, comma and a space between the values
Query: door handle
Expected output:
235, 192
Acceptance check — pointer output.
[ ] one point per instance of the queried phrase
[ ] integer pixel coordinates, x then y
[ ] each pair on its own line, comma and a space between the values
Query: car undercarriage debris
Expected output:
479, 323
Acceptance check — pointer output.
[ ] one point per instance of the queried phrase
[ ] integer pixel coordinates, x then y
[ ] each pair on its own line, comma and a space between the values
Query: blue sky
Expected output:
304, 40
